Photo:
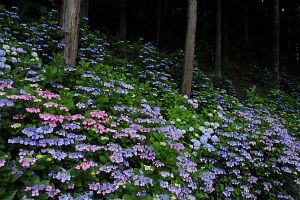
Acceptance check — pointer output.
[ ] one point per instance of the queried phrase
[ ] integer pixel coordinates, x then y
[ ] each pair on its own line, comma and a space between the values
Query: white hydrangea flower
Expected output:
202, 129
5, 47
216, 125
7, 67
191, 129
34, 54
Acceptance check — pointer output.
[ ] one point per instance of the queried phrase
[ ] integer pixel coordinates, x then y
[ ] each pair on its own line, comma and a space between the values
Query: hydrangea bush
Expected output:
112, 128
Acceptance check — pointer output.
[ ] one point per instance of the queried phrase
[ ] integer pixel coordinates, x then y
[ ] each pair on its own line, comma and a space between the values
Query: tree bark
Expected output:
226, 38
123, 22
201, 20
84, 9
218, 53
70, 24
276, 37
246, 34
158, 22
189, 50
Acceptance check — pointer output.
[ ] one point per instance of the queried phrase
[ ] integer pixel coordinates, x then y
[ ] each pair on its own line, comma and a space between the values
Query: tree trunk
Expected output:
276, 39
158, 22
84, 9
70, 24
166, 7
246, 34
26, 7
123, 22
189, 50
226, 39
218, 53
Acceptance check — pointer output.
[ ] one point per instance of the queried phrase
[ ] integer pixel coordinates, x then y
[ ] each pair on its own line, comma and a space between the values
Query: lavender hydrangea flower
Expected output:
63, 175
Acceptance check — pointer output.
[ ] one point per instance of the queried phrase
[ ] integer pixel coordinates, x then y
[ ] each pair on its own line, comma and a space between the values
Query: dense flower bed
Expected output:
113, 128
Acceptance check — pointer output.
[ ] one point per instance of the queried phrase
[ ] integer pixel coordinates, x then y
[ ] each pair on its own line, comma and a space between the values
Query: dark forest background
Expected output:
246, 27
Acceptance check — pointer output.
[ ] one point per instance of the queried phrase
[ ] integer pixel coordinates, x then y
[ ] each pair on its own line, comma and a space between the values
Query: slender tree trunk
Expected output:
226, 39
158, 22
276, 37
189, 50
123, 22
290, 43
166, 6
84, 9
203, 20
25, 6
70, 24
246, 34
218, 53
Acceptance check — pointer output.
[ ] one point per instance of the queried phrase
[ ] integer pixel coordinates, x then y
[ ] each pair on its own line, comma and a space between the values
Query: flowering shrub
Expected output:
93, 132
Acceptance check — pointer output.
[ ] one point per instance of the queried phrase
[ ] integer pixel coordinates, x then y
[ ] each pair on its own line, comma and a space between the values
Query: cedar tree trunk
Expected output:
276, 39
218, 53
246, 34
70, 24
158, 22
189, 50
123, 22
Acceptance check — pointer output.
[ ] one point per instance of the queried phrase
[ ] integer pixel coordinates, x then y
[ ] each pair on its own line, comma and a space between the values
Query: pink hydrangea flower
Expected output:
99, 115
24, 97
49, 123
100, 128
74, 117
3, 86
16, 117
47, 95
85, 165
88, 123
51, 117
50, 105
33, 110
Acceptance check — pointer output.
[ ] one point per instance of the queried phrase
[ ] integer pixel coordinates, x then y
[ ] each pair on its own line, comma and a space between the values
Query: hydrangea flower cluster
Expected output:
36, 189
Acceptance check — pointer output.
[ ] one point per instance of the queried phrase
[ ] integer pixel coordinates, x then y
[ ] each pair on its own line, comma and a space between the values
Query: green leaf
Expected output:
43, 197
103, 159
8, 195
2, 190
14, 178
148, 197
127, 197
34, 180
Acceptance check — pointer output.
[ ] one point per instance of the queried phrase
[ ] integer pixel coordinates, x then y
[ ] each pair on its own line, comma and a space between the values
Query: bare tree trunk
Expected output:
246, 34
276, 37
202, 20
166, 6
123, 22
189, 50
218, 53
158, 22
70, 24
226, 39
84, 9
25, 7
